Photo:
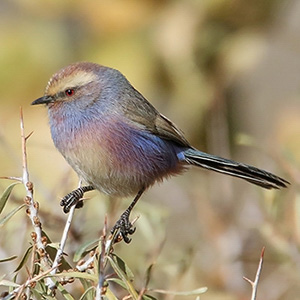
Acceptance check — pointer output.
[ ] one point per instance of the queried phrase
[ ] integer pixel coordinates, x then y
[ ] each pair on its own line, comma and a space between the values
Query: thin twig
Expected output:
26, 284
109, 242
33, 206
105, 247
12, 178
100, 290
33, 257
86, 265
63, 239
254, 284
50, 283
32, 212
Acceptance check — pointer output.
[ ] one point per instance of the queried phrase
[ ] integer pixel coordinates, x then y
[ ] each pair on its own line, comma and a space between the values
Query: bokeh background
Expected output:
227, 72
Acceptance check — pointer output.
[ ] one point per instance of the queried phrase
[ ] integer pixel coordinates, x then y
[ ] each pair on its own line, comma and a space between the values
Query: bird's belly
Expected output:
119, 175
106, 177
119, 160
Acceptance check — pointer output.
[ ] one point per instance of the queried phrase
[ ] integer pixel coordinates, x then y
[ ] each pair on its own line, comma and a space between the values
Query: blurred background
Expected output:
227, 72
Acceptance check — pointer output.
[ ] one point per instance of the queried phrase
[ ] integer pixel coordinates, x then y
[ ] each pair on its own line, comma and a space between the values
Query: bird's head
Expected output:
78, 83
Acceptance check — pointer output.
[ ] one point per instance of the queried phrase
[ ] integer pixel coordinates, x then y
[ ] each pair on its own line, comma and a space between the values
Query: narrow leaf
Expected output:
88, 294
185, 293
6, 194
148, 297
9, 283
23, 260
9, 215
64, 292
118, 281
37, 294
109, 295
77, 275
124, 278
84, 248
51, 250
85, 284
8, 258
123, 266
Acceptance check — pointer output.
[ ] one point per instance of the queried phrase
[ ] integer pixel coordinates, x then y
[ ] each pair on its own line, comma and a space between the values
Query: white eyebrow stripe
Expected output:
74, 80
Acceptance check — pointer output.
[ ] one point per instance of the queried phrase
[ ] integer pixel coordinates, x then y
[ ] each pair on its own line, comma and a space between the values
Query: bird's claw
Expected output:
75, 198
124, 228
71, 199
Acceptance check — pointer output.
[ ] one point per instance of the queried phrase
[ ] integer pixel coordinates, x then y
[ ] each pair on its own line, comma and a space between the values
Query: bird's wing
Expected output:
143, 115
168, 130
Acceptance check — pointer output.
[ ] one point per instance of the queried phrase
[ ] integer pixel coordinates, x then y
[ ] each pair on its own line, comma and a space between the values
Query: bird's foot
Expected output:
74, 198
71, 199
123, 227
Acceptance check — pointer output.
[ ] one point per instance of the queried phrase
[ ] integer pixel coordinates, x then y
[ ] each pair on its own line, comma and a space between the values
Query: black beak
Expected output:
42, 100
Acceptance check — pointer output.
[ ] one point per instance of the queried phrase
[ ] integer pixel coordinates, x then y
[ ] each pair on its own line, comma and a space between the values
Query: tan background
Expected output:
228, 73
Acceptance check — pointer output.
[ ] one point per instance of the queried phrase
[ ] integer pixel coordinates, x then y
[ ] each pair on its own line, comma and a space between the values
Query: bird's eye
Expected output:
69, 92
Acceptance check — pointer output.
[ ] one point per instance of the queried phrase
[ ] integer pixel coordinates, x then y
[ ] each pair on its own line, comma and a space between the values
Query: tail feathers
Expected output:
226, 166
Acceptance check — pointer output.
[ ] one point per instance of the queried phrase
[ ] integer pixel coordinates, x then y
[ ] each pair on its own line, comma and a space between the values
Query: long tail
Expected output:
226, 166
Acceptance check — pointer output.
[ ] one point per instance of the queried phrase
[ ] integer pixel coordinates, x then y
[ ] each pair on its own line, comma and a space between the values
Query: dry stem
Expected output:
50, 283
254, 284
32, 206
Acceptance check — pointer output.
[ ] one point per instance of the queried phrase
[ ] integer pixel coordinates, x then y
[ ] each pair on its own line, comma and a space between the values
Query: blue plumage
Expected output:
118, 142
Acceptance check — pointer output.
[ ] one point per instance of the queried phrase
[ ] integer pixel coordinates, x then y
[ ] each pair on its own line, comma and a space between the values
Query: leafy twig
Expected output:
29, 282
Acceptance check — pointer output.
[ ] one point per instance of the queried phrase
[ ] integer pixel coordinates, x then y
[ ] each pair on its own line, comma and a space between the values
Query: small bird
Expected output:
118, 143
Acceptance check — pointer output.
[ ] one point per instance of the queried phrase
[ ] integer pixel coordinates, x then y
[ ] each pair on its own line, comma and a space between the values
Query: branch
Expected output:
49, 282
101, 290
12, 178
254, 284
33, 207
60, 251
17, 292
87, 264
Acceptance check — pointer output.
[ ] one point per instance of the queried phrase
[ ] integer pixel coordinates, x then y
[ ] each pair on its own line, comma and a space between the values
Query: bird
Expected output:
119, 143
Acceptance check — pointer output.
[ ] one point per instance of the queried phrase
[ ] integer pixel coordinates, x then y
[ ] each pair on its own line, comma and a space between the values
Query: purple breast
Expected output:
141, 154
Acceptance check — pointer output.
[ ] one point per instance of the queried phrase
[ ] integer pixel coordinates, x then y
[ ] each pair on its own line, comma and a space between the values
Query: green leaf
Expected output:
84, 249
9, 283
75, 274
9, 215
185, 293
51, 250
123, 266
118, 281
123, 285
85, 283
109, 295
6, 195
148, 297
64, 292
24, 259
88, 294
40, 287
148, 274
8, 258
115, 262
38, 295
